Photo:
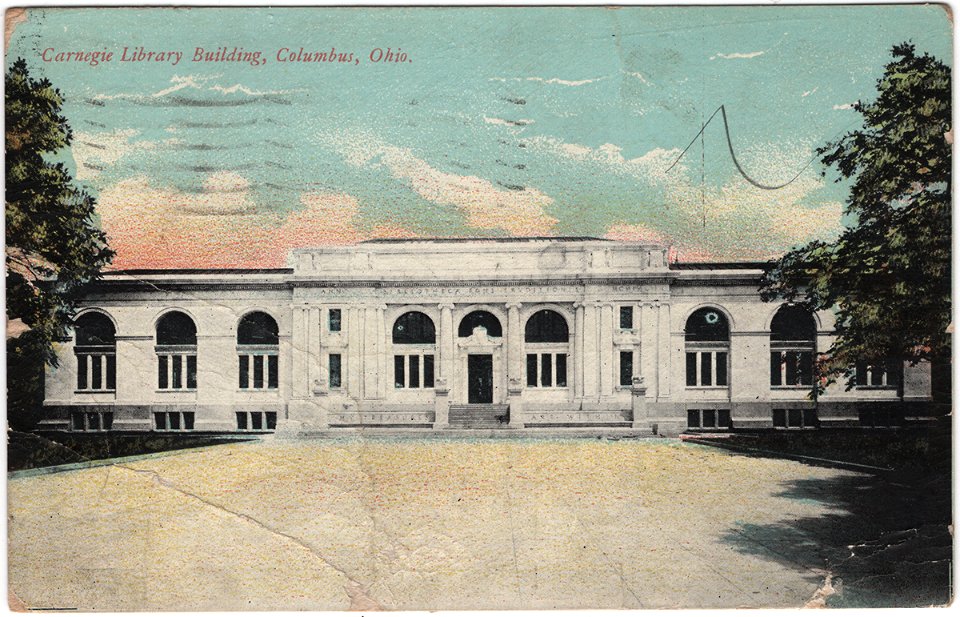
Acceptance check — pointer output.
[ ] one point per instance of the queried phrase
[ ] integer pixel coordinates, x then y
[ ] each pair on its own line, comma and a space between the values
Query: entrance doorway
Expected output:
479, 378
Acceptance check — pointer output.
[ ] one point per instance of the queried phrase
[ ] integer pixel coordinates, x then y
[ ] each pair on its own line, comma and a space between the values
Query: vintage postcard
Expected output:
449, 308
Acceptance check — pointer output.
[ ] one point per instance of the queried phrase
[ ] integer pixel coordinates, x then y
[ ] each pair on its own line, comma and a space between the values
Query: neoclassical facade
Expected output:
439, 334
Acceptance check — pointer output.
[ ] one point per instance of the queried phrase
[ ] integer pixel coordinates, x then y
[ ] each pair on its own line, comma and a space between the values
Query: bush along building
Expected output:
443, 334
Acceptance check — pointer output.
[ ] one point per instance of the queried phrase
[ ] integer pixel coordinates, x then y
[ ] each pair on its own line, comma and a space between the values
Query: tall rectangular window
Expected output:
626, 368
428, 371
273, 372
244, 371
626, 317
258, 371
546, 370
82, 371
335, 371
707, 368
691, 368
334, 320
532, 370
399, 371
414, 371
162, 374
561, 370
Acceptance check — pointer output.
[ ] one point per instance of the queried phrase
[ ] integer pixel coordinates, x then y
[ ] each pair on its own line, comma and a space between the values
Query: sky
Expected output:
480, 122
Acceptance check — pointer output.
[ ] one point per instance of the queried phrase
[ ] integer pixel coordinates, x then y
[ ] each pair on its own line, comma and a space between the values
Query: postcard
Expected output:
459, 308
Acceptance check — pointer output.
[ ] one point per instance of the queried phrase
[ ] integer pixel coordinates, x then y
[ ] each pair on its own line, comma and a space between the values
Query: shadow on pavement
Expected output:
885, 540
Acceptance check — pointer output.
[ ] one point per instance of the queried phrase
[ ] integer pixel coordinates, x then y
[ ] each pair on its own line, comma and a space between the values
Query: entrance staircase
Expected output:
479, 416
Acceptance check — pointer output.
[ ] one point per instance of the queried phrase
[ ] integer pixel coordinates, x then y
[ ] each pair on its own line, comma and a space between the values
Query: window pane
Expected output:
107, 420
97, 362
258, 371
162, 372
809, 417
173, 419
76, 421
273, 370
111, 372
806, 368
780, 418
691, 369
876, 376
721, 368
428, 371
188, 420
414, 371
861, 376
399, 371
706, 368
894, 371
562, 370
335, 371
626, 368
532, 370
791, 368
256, 420
177, 371
242, 420
693, 418
244, 371
723, 418
626, 317
709, 418
776, 379
334, 320
93, 421
192, 372
271, 420
82, 372
160, 421
795, 418
546, 369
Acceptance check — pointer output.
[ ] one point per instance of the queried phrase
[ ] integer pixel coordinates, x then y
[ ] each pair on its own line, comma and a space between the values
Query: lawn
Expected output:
454, 524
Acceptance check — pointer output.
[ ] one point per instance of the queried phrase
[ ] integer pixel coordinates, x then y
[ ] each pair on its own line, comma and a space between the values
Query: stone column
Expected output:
313, 347
590, 346
446, 350
354, 384
514, 345
299, 379
638, 396
371, 355
664, 354
606, 349
382, 359
649, 368
578, 351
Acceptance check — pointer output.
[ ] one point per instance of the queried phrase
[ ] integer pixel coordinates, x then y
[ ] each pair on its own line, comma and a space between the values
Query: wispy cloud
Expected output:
552, 80
197, 83
518, 211
844, 106
738, 55
809, 92
95, 152
502, 122
638, 76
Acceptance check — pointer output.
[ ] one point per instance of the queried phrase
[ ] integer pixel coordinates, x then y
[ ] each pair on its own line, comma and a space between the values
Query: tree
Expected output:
53, 246
887, 276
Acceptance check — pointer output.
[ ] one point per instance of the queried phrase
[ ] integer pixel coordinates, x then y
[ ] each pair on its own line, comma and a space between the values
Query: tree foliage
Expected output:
53, 246
887, 276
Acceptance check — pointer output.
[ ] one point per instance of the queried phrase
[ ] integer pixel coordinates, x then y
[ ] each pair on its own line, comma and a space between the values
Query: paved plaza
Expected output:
422, 524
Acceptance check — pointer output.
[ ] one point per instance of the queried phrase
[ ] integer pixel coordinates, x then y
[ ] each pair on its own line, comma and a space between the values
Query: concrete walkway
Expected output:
414, 524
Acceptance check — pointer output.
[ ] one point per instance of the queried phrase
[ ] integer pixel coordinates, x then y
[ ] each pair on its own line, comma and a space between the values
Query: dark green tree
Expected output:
887, 276
53, 245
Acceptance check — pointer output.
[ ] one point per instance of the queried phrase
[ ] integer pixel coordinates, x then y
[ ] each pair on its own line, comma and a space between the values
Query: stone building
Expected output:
433, 334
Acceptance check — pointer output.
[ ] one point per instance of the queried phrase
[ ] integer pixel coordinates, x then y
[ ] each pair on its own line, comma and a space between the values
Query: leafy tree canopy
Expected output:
887, 277
53, 247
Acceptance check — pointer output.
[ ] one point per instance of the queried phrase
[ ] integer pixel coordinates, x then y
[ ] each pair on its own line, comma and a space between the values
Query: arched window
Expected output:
482, 319
176, 352
96, 350
258, 348
707, 342
414, 340
547, 339
793, 336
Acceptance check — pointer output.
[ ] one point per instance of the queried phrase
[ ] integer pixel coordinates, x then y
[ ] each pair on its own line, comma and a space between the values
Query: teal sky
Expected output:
533, 121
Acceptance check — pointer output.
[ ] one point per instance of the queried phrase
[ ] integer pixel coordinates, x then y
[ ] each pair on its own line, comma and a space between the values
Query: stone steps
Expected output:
478, 416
